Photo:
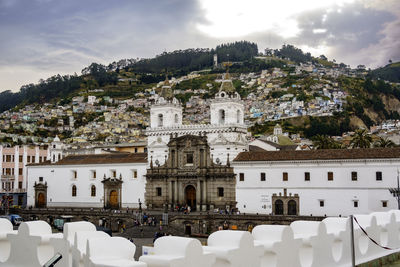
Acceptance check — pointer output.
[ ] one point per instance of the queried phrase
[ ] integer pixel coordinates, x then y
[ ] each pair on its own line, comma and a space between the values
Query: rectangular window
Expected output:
94, 174
20, 158
136, 150
74, 174
20, 171
189, 158
114, 173
379, 176
40, 179
354, 176
321, 203
8, 158
384, 203
134, 174
19, 185
33, 159
285, 176
29, 159
13, 158
262, 177
241, 177
306, 176
330, 176
220, 191
159, 191
355, 204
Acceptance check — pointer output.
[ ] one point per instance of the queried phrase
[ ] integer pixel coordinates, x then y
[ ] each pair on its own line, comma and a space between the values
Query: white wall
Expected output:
231, 107
60, 179
168, 111
338, 195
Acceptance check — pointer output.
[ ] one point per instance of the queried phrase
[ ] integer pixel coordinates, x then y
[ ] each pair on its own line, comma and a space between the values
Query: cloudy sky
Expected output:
40, 38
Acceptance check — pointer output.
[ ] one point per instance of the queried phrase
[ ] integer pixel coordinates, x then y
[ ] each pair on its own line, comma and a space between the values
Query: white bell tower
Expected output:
165, 116
56, 150
226, 107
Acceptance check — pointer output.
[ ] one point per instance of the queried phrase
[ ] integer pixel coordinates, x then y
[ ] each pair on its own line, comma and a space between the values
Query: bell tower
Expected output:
56, 150
226, 107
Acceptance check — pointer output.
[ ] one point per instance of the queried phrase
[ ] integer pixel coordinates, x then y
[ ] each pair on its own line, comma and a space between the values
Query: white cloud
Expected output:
235, 18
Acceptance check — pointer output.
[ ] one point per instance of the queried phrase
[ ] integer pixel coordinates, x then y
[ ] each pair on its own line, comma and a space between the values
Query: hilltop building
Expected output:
226, 134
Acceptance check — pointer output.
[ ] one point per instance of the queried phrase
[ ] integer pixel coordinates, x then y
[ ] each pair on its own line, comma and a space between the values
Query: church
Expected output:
190, 177
226, 133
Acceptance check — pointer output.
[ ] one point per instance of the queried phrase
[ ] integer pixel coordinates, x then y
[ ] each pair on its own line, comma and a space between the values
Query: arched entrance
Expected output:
114, 203
40, 195
278, 207
292, 207
41, 202
190, 193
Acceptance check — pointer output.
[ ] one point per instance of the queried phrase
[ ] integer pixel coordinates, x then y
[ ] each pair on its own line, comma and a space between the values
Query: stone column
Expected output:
204, 191
169, 194
176, 192
198, 195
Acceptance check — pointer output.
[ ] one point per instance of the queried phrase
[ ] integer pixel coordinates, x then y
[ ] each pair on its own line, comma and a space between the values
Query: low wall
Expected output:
303, 243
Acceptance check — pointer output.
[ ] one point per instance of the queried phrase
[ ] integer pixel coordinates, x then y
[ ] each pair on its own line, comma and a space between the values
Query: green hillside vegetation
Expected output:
370, 100
390, 72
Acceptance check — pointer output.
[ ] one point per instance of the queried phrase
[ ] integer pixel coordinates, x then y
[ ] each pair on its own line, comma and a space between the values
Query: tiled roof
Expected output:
320, 154
99, 159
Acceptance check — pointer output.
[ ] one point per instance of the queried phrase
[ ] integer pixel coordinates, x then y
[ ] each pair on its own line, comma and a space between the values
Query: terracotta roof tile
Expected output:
320, 154
99, 159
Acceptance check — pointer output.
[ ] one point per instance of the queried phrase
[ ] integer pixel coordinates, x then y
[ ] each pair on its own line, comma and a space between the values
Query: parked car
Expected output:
15, 219
59, 222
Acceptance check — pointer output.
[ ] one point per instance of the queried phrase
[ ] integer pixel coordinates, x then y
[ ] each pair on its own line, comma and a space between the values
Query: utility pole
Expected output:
396, 191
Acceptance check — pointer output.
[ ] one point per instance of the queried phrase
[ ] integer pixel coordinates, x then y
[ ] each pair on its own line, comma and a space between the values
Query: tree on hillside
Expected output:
325, 142
361, 139
293, 53
384, 142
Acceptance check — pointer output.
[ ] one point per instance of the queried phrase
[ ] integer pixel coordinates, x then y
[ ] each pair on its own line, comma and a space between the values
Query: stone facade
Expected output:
285, 204
189, 177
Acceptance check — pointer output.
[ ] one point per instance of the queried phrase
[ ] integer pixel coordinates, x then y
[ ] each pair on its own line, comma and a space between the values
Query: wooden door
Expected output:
191, 197
41, 202
114, 203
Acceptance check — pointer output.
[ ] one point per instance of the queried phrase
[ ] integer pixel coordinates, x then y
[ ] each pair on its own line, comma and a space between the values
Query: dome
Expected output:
56, 139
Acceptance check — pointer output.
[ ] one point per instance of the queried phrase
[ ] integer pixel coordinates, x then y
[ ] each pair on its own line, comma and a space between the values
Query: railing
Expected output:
7, 176
17, 190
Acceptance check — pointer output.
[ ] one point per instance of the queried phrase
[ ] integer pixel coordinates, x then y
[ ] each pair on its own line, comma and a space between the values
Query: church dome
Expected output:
166, 90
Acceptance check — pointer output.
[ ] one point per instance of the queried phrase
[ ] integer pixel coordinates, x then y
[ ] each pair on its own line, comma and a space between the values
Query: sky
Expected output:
41, 38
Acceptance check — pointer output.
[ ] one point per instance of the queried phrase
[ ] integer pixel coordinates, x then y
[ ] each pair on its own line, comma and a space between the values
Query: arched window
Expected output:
292, 207
160, 120
221, 116
278, 207
54, 157
238, 116
74, 190
93, 191
176, 118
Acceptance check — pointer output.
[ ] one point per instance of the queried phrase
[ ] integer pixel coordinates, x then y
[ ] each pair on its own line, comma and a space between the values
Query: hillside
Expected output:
305, 94
390, 72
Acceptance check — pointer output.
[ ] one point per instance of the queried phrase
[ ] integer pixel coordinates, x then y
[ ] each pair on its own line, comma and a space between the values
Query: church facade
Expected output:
226, 133
190, 177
